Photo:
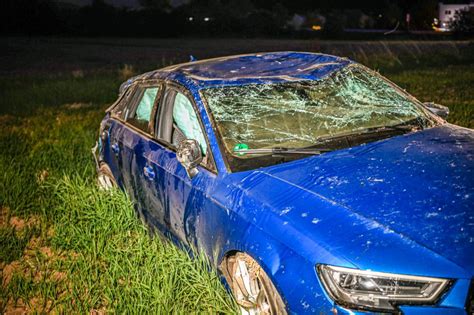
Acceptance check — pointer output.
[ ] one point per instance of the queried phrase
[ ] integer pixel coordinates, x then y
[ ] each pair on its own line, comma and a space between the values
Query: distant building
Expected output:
310, 22
296, 22
447, 13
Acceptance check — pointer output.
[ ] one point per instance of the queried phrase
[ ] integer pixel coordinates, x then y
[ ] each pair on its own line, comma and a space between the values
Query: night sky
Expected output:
119, 3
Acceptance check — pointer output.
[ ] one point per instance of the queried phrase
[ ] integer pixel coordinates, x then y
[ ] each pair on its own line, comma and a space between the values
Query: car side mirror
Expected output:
437, 109
190, 156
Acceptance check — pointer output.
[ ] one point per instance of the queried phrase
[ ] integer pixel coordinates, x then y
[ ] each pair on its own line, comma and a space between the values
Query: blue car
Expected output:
313, 184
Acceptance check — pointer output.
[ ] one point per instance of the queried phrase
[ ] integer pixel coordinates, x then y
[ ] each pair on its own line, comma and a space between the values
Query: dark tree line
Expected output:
207, 17
464, 23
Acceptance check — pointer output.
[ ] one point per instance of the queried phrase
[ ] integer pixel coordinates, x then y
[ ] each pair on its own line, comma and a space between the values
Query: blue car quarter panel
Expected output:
402, 205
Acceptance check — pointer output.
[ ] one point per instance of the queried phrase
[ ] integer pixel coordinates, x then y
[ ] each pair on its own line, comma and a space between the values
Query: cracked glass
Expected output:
300, 114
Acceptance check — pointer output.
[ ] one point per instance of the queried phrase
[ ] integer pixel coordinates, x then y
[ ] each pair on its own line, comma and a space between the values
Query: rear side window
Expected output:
141, 115
145, 106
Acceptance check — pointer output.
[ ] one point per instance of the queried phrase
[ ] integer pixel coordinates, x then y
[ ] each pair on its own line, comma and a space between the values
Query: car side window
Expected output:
140, 115
123, 102
186, 123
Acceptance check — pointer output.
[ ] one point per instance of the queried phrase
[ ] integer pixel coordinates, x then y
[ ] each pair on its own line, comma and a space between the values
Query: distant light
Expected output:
380, 15
206, 19
190, 19
316, 28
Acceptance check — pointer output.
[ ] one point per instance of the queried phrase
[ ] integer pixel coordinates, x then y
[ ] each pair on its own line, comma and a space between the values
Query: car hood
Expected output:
419, 185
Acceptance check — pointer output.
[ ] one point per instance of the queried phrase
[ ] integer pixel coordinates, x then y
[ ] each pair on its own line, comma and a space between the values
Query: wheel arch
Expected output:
223, 269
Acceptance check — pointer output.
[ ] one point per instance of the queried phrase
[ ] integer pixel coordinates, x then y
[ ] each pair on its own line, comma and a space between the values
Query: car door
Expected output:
185, 197
142, 176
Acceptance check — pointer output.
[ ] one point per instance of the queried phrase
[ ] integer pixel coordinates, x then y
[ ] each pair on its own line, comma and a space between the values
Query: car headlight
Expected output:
370, 290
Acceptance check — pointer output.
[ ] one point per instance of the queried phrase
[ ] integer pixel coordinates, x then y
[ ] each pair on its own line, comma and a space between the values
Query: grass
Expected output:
68, 248
450, 85
23, 95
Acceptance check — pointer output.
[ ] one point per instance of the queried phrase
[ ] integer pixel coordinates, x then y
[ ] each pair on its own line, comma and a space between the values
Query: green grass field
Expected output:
67, 247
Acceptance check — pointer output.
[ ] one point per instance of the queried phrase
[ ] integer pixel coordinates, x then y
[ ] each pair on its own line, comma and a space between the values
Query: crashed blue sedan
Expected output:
313, 184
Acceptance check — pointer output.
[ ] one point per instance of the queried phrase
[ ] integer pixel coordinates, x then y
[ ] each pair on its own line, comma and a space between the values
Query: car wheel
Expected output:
105, 178
251, 287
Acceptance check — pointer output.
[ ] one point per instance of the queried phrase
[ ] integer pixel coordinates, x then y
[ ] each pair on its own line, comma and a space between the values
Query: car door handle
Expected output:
116, 148
149, 173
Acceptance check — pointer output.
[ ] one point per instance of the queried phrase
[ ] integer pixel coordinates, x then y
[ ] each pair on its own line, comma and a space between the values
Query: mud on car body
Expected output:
312, 183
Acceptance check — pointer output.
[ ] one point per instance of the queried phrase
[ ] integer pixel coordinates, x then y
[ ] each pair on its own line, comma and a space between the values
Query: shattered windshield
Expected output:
300, 114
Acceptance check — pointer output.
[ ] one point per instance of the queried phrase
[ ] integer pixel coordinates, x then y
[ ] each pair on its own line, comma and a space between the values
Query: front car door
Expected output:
185, 197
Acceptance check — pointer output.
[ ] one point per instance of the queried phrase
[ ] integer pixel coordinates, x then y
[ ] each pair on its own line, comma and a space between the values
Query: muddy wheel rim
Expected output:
250, 293
105, 182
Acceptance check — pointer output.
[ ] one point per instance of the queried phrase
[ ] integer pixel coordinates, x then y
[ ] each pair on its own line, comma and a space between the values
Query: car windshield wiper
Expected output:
282, 151
402, 127
314, 150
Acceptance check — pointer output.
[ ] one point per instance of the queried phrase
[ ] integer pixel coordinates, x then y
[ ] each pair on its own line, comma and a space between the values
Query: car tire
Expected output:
105, 178
251, 287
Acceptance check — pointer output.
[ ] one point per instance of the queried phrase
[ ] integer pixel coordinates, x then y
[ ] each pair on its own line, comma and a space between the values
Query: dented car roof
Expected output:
248, 69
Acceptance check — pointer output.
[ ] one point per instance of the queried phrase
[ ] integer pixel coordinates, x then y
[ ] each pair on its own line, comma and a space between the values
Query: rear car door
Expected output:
142, 179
